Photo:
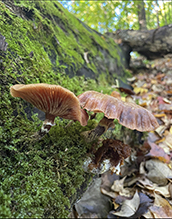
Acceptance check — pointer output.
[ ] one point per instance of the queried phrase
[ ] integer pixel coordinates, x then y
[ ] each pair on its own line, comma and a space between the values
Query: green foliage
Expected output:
112, 15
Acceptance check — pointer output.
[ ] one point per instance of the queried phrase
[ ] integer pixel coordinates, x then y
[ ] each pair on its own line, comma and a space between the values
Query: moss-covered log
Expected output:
46, 44
151, 43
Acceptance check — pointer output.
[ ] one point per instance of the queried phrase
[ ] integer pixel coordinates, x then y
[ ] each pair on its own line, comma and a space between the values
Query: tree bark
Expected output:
142, 15
151, 43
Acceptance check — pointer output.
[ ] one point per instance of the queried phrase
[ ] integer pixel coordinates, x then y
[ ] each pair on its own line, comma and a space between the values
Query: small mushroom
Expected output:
54, 100
128, 114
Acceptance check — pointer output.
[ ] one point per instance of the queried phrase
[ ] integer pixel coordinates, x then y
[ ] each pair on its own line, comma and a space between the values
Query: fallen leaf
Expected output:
166, 100
126, 91
162, 190
160, 76
158, 172
111, 194
148, 214
160, 115
153, 81
170, 189
118, 186
157, 88
145, 203
167, 108
161, 208
160, 140
152, 137
168, 139
108, 179
129, 207
160, 130
158, 152
131, 79
140, 90
93, 201
170, 129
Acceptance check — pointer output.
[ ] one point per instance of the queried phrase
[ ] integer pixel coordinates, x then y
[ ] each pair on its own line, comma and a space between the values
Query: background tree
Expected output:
112, 15
142, 15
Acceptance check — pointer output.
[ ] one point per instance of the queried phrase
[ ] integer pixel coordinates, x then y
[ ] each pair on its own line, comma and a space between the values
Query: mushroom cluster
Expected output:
54, 100
128, 114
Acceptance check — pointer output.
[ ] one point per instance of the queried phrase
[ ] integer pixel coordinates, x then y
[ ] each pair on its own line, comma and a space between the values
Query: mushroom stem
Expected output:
102, 127
46, 126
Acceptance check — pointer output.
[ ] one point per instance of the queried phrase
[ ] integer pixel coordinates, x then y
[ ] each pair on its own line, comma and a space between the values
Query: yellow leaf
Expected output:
171, 129
140, 90
161, 140
123, 98
153, 81
143, 104
145, 85
159, 115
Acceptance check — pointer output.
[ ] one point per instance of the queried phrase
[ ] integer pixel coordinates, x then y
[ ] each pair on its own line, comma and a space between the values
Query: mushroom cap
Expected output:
128, 114
52, 99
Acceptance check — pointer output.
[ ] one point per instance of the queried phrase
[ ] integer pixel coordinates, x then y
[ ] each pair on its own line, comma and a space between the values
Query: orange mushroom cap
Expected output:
128, 114
54, 100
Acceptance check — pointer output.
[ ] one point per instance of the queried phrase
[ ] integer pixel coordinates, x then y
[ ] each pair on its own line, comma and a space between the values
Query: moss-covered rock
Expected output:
46, 44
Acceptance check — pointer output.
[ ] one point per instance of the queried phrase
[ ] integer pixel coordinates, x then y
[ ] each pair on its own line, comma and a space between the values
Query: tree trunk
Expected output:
157, 12
142, 15
150, 43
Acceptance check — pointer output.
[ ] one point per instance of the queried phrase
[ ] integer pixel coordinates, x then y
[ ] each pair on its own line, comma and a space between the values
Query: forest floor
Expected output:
144, 187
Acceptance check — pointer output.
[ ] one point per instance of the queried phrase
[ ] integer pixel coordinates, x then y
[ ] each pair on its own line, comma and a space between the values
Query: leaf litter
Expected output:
144, 186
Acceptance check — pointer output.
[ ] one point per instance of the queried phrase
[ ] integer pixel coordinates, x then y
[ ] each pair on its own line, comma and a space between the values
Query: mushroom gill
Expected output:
54, 100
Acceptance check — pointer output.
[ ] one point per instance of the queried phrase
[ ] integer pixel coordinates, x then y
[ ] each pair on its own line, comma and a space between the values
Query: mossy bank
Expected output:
46, 44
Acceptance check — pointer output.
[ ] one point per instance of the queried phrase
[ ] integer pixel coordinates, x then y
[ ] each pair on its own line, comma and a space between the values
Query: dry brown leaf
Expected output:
167, 108
152, 137
165, 147
108, 179
160, 76
148, 214
93, 201
111, 194
168, 139
157, 88
129, 207
118, 186
160, 130
162, 190
146, 183
170, 189
127, 91
161, 208
158, 152
158, 172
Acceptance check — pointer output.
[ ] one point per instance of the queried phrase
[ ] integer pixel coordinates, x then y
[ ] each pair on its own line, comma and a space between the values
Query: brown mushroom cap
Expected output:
128, 114
54, 100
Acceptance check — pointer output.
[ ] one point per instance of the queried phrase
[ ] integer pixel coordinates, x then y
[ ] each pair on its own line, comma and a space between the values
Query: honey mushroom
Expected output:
128, 114
54, 100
